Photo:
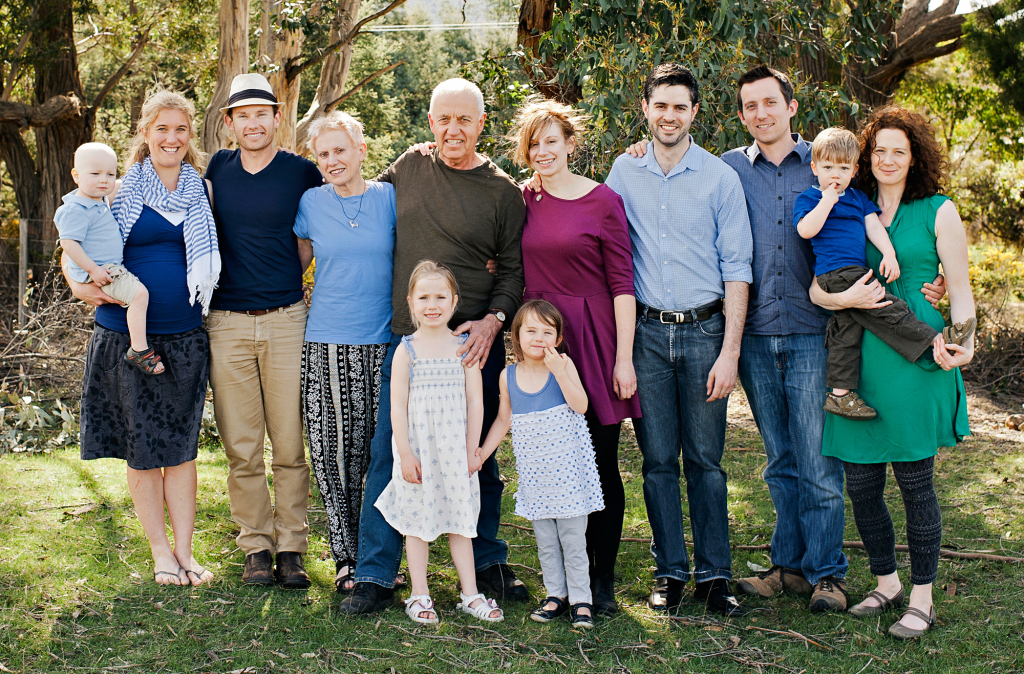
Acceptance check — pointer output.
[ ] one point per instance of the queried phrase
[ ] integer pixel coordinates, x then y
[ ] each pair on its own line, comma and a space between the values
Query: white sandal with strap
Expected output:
482, 610
420, 603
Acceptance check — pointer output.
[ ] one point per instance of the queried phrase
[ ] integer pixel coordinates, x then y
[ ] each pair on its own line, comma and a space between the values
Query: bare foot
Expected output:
167, 571
197, 575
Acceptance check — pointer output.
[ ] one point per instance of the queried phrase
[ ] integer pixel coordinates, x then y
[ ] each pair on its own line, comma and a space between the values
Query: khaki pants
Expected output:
255, 373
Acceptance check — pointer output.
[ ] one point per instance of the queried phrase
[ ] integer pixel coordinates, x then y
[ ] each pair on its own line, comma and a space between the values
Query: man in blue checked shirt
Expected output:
692, 248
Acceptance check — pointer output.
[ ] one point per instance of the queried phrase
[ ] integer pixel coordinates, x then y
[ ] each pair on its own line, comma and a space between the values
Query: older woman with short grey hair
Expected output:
348, 225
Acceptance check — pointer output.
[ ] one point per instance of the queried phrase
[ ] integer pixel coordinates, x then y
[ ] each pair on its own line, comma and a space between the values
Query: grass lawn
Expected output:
76, 588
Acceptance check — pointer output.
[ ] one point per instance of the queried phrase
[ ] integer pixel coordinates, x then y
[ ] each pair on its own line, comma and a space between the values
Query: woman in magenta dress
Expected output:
577, 255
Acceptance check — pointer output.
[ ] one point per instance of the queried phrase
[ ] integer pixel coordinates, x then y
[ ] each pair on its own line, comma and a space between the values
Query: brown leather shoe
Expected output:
850, 406
829, 595
290, 572
959, 333
259, 569
773, 581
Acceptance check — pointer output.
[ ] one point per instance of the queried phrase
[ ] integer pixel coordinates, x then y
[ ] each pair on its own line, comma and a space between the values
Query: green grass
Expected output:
77, 595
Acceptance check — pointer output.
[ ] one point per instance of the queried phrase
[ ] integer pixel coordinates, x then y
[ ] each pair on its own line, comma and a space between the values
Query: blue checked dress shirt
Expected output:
783, 261
689, 228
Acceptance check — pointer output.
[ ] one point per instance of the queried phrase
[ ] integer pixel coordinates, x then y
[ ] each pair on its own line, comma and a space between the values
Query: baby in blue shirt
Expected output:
91, 237
835, 217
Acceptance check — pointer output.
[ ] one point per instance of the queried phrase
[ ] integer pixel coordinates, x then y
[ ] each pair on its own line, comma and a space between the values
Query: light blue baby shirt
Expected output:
91, 224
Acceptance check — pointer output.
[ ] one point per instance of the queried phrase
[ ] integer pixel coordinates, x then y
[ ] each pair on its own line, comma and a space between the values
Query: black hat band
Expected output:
251, 93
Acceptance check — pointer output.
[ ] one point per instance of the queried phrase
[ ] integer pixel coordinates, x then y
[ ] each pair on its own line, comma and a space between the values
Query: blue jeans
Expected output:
672, 366
784, 379
380, 546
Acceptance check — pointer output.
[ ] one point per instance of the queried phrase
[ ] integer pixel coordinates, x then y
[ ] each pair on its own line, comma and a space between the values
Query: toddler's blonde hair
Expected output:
836, 144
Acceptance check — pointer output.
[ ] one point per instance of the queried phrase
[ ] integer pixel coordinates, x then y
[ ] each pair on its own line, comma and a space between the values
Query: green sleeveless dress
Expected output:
921, 407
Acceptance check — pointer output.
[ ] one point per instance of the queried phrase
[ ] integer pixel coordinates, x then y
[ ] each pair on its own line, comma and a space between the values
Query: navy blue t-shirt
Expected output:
840, 243
255, 214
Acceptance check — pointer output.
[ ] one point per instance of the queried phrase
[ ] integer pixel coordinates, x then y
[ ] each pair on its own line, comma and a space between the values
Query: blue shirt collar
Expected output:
802, 149
693, 160
73, 198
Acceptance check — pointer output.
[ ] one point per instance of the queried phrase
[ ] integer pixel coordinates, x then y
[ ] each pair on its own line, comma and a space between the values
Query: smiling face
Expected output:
765, 112
253, 125
339, 158
549, 150
836, 173
95, 173
536, 336
670, 113
890, 157
168, 137
432, 302
456, 123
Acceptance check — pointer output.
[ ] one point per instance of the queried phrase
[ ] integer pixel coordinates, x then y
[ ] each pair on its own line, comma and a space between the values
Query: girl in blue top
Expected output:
543, 402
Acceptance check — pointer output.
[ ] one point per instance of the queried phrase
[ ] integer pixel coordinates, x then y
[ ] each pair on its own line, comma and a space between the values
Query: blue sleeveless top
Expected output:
155, 252
549, 396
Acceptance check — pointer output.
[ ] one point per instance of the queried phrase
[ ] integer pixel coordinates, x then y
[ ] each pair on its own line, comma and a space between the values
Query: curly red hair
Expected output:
929, 174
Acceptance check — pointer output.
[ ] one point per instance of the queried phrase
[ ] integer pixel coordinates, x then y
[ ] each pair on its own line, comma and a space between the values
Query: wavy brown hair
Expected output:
928, 175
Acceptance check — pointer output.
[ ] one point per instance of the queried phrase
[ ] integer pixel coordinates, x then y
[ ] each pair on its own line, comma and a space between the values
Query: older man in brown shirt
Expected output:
457, 207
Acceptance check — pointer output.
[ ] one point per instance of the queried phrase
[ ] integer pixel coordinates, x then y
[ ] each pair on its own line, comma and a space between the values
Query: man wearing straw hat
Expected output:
256, 325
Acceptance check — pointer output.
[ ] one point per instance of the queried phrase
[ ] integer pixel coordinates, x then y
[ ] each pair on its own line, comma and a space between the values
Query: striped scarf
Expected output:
141, 186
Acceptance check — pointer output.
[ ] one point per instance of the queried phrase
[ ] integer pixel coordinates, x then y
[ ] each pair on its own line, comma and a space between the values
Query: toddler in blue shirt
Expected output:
835, 217
92, 239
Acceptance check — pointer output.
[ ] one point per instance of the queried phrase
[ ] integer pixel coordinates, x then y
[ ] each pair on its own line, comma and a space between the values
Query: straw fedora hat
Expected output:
250, 89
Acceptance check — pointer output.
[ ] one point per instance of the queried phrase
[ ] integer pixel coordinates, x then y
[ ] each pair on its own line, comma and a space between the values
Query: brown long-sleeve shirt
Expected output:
461, 219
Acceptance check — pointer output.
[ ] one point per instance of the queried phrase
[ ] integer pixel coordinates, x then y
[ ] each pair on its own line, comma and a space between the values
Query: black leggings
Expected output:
604, 527
865, 483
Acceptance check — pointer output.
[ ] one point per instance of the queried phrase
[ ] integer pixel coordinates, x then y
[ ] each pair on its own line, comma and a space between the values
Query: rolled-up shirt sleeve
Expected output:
734, 241
617, 250
508, 289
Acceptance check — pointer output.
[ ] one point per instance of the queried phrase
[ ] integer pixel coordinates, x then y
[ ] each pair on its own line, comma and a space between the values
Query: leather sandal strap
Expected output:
917, 613
883, 601
557, 601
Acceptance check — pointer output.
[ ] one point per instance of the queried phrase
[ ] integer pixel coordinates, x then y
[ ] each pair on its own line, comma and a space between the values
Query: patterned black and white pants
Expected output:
340, 392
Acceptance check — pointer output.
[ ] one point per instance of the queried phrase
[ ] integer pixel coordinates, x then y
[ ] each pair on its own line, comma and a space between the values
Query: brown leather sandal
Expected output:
884, 604
902, 632
849, 406
146, 362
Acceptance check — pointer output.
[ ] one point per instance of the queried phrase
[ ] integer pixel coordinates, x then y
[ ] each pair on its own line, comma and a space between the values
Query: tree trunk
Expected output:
535, 17
334, 71
232, 59
280, 48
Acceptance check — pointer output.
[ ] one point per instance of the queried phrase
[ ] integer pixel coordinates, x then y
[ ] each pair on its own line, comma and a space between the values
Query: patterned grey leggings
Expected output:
865, 483
340, 392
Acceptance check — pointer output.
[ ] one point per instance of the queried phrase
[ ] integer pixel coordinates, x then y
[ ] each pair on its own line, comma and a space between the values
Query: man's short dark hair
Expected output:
763, 72
672, 74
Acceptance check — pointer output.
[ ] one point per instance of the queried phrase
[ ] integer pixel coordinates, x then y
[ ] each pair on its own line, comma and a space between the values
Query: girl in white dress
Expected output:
436, 404
543, 401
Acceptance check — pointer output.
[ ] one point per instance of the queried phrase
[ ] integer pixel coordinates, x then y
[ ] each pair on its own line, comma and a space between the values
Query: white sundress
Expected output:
448, 500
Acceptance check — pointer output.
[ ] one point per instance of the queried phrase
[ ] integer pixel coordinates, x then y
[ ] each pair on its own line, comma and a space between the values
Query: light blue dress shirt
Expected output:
689, 228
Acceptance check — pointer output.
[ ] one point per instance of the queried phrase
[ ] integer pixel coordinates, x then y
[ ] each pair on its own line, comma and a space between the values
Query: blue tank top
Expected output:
522, 402
155, 252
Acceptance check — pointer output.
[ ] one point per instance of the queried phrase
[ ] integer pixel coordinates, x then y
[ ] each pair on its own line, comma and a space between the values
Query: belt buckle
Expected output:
675, 316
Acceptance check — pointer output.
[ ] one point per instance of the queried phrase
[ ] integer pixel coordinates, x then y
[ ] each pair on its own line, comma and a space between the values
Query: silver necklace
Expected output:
351, 220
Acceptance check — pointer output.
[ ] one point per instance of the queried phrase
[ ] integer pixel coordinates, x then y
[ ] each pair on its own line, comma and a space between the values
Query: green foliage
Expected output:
994, 35
992, 200
27, 426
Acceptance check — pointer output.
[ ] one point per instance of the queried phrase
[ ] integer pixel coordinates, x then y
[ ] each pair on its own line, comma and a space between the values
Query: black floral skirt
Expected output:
150, 421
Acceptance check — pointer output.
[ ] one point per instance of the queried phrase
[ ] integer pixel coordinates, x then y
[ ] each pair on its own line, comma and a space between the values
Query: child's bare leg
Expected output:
137, 323
465, 565
417, 553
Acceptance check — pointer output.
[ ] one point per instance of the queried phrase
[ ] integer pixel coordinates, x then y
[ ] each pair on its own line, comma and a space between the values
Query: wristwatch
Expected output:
499, 314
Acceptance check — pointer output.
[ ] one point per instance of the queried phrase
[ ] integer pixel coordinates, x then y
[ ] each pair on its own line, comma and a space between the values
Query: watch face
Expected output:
500, 315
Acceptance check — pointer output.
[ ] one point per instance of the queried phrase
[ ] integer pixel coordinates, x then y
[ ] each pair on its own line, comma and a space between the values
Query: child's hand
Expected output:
555, 362
100, 276
411, 470
890, 268
830, 193
475, 464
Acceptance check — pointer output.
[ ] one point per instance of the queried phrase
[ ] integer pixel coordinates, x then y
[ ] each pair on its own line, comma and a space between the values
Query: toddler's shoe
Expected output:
850, 406
959, 333
546, 615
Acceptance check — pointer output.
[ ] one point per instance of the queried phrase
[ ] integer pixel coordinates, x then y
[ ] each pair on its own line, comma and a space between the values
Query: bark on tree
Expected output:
535, 17
281, 47
232, 59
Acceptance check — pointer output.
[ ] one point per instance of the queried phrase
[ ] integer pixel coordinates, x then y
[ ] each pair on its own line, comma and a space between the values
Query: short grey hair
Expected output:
334, 121
456, 86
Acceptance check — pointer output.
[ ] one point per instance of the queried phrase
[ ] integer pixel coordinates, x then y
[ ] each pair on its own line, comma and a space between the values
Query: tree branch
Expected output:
366, 80
53, 111
12, 77
123, 70
294, 71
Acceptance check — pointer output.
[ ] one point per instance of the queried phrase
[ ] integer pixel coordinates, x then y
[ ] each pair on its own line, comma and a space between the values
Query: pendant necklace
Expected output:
351, 220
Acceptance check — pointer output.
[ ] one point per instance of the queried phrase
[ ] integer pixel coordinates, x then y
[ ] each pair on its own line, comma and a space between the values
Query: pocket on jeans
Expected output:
714, 326
297, 312
214, 319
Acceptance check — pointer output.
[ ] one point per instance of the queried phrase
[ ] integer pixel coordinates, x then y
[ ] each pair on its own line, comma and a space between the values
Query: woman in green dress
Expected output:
921, 406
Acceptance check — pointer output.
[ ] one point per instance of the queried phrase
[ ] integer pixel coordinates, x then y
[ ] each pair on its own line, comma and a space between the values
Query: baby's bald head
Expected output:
95, 153
95, 170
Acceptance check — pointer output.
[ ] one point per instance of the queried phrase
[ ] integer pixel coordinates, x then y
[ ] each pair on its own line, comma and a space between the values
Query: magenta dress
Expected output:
577, 255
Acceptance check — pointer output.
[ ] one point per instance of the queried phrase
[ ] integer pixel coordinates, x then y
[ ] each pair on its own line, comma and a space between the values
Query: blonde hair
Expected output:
335, 121
836, 144
157, 102
430, 269
548, 314
533, 118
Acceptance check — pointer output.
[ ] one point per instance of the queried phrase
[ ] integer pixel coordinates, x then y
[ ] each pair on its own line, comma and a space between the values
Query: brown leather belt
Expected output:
259, 312
686, 316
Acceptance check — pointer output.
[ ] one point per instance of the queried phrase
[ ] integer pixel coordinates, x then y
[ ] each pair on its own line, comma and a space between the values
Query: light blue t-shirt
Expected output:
352, 284
90, 223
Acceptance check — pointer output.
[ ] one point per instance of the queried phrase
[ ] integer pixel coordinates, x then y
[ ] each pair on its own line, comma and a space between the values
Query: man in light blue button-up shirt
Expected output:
692, 249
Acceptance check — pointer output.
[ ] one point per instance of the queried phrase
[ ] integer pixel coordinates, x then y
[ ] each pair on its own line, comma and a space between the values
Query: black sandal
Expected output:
349, 568
543, 615
582, 620
146, 361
